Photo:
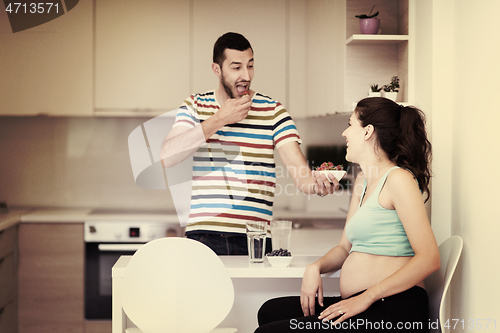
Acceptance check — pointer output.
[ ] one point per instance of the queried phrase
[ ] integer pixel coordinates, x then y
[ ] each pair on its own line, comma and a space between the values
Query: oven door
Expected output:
99, 260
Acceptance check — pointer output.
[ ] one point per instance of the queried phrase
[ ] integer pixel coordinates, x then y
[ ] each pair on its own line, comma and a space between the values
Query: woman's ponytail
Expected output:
413, 149
401, 135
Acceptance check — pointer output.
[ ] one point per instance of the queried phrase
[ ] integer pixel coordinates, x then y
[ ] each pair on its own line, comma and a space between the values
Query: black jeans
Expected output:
407, 311
226, 244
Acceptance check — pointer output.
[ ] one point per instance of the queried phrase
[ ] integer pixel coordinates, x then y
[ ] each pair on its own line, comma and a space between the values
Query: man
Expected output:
232, 132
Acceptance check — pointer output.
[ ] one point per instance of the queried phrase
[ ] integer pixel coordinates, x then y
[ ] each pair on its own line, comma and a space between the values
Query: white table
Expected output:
253, 285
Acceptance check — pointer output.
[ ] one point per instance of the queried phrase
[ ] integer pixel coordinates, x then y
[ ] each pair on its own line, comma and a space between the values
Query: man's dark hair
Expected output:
230, 40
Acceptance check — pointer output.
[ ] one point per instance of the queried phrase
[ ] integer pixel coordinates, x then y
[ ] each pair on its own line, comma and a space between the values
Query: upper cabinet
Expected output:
143, 56
262, 22
151, 55
47, 69
324, 62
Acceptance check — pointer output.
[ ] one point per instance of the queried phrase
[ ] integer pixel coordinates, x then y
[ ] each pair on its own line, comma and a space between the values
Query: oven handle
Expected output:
119, 247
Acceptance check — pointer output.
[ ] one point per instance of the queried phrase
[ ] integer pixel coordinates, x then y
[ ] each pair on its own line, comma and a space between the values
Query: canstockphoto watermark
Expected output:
357, 324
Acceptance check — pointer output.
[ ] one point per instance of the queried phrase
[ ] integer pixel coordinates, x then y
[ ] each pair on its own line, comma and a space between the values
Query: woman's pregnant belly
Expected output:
360, 271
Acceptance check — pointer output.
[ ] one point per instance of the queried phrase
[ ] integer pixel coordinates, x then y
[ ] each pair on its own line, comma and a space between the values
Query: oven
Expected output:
105, 242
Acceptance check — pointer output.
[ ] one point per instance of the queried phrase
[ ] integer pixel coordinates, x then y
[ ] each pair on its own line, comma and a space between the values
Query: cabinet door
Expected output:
325, 44
51, 280
7, 280
47, 69
7, 241
142, 55
8, 318
262, 22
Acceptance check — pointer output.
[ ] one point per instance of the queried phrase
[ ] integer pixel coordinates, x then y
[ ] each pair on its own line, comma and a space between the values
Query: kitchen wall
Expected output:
456, 85
84, 162
474, 150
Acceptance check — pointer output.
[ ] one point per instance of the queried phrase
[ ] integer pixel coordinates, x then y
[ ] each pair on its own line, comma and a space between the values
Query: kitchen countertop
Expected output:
11, 218
79, 215
239, 267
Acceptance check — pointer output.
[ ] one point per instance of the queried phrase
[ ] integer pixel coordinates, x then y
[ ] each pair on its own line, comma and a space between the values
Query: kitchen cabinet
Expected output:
325, 57
151, 55
8, 280
48, 69
51, 277
263, 23
142, 56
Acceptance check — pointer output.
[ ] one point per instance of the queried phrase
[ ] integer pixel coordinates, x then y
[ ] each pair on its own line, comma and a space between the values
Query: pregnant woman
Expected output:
387, 247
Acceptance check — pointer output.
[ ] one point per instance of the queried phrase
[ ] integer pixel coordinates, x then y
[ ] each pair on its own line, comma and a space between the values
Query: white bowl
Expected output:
336, 173
277, 261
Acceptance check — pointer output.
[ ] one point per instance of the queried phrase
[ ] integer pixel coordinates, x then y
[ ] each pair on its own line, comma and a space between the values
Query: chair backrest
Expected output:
177, 285
437, 283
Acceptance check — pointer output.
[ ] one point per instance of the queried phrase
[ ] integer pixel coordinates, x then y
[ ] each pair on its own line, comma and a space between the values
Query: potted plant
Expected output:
374, 91
391, 90
369, 24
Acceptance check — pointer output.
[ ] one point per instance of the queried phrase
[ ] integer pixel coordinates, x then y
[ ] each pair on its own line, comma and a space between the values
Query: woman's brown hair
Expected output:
401, 135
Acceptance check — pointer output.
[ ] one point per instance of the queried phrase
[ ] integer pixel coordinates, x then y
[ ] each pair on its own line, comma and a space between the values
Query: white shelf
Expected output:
359, 39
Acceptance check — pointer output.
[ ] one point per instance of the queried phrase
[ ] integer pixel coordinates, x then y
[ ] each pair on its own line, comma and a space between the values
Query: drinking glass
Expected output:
281, 232
256, 239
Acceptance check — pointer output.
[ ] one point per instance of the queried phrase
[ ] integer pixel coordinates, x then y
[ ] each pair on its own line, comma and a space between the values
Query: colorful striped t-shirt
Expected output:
234, 175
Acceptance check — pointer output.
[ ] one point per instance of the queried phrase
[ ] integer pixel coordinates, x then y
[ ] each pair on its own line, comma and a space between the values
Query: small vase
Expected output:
369, 26
374, 94
391, 95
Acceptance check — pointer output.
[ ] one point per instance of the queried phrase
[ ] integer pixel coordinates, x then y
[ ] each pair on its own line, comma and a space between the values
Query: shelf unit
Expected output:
374, 59
377, 39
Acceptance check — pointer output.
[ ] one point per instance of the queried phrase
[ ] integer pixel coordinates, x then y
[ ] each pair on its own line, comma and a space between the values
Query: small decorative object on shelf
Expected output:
374, 91
391, 90
369, 24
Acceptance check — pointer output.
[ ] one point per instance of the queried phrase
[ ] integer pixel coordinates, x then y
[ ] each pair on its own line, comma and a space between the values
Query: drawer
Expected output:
7, 280
8, 318
7, 241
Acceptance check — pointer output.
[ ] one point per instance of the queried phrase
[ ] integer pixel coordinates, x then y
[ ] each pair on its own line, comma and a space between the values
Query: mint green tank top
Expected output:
376, 230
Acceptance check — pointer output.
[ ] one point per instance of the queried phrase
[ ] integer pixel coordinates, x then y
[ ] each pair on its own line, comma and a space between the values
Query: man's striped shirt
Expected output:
234, 175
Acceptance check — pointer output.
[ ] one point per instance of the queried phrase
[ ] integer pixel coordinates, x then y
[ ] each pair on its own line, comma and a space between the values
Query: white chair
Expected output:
176, 285
437, 283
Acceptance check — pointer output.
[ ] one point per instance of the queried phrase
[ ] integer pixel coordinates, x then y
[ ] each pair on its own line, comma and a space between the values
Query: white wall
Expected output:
457, 73
475, 149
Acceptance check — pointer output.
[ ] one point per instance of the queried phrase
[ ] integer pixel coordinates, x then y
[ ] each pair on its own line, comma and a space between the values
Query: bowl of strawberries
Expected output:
331, 170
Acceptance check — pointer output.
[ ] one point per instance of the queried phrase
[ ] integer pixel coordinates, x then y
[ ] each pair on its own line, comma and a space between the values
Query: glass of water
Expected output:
256, 238
281, 232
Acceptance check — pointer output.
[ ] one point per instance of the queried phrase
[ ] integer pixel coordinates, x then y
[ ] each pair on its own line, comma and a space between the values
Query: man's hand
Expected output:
234, 110
323, 185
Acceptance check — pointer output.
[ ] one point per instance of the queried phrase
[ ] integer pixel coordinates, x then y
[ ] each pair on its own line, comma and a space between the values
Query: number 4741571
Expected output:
31, 8
477, 324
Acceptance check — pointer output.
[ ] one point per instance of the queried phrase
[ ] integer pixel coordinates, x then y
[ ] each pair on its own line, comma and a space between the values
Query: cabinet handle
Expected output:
2, 309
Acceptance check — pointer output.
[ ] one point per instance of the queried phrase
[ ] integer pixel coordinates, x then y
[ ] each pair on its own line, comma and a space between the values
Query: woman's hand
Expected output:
311, 285
346, 308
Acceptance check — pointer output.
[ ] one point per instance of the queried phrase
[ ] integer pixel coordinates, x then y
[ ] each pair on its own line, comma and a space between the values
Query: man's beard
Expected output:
226, 86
